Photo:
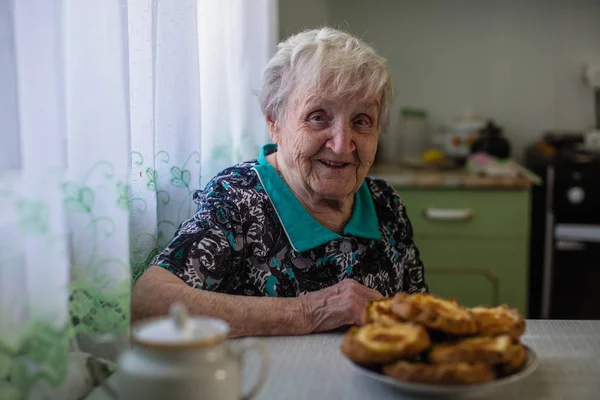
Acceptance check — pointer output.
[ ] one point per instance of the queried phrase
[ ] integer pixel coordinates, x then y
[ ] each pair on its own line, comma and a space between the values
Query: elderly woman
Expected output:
299, 239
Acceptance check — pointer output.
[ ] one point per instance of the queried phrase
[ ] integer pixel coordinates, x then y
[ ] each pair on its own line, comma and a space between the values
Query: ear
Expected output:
273, 129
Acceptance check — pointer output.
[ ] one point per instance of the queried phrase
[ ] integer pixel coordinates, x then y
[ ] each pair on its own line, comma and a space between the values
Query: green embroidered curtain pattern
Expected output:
111, 114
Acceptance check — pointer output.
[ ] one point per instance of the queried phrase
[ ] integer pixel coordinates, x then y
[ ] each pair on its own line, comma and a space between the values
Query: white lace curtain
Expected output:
111, 114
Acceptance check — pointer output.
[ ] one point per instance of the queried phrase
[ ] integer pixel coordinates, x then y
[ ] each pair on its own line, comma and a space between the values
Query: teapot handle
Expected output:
243, 348
102, 382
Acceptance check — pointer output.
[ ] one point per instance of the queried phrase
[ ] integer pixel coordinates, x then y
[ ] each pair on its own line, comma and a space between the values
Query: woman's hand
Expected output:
335, 306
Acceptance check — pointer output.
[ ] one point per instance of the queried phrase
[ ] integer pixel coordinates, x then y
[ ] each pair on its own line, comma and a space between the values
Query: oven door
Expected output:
577, 194
575, 291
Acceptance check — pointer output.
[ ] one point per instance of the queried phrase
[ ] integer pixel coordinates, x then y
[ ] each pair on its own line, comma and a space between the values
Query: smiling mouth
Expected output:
334, 165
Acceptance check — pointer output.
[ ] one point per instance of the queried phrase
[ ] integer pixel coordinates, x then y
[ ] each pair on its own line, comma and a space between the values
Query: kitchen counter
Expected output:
312, 367
400, 176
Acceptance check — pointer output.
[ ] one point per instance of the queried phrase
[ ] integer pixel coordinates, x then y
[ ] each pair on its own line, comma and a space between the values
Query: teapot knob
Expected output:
180, 315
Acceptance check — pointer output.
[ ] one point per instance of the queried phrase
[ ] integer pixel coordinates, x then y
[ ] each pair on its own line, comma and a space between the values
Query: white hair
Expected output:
330, 61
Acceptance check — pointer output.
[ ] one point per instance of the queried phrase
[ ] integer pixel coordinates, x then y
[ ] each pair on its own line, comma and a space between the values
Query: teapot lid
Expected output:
179, 330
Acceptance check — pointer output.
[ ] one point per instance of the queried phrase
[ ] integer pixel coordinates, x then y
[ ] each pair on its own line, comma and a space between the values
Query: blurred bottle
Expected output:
413, 138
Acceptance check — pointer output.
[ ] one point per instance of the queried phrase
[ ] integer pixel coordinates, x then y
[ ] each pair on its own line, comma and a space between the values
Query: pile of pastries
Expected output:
426, 339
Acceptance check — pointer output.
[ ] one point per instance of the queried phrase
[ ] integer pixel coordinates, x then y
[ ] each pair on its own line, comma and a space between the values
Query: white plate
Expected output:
424, 389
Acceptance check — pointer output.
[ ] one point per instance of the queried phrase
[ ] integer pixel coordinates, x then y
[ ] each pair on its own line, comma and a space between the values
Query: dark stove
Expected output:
564, 277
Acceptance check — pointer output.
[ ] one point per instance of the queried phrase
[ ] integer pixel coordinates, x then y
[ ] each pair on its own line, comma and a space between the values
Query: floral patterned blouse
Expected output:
251, 236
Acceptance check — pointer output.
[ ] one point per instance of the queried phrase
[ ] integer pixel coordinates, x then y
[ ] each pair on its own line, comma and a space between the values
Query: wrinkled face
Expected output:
327, 145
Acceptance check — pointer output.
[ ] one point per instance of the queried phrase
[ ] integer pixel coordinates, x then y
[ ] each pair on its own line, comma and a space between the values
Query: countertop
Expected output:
312, 367
427, 178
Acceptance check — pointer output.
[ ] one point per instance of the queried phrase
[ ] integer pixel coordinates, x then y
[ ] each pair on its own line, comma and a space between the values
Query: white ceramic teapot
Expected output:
184, 358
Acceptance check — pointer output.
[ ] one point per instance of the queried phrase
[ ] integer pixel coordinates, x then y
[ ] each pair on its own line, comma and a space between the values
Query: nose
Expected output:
341, 140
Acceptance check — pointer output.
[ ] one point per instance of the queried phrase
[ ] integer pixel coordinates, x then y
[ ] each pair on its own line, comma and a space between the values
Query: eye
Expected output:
362, 120
317, 117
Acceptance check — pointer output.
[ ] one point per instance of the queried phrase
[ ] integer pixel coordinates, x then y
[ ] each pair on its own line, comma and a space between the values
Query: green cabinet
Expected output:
473, 242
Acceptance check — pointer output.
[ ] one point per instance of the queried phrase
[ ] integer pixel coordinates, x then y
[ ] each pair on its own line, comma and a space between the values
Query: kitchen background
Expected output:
518, 61
490, 232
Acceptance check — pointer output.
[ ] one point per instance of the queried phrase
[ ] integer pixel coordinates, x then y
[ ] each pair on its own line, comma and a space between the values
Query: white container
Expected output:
458, 135
413, 134
185, 358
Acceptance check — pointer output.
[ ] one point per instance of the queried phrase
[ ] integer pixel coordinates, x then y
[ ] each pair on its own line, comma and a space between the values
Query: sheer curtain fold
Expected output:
232, 126
195, 109
33, 312
165, 132
111, 114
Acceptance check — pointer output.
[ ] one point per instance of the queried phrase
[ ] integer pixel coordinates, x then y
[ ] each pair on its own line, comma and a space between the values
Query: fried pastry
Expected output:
423, 338
499, 320
483, 349
517, 358
434, 313
449, 374
380, 311
375, 343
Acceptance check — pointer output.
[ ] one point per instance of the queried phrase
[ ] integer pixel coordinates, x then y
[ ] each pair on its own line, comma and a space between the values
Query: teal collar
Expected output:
303, 231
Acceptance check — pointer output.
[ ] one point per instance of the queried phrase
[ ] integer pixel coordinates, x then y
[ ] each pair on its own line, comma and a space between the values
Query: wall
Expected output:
518, 61
296, 15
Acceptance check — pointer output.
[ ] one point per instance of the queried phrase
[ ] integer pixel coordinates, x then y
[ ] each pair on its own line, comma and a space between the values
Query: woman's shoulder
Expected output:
235, 183
381, 190
385, 197
240, 176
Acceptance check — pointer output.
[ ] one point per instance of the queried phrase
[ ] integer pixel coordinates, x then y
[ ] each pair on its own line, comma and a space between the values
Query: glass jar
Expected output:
413, 134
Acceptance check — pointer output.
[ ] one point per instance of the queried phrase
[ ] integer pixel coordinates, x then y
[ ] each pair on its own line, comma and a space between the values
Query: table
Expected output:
312, 368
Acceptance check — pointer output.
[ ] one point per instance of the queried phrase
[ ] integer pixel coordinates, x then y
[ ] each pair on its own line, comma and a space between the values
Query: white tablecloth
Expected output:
312, 368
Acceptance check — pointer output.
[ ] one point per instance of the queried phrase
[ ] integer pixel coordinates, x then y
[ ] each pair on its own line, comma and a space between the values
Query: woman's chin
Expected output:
334, 191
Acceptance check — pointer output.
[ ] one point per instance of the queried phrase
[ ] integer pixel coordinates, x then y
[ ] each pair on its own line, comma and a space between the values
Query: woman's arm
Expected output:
324, 310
